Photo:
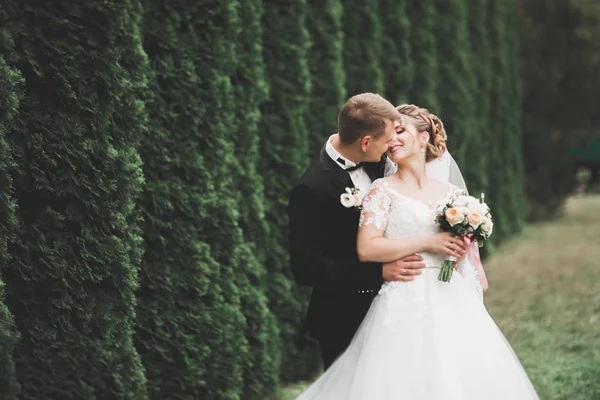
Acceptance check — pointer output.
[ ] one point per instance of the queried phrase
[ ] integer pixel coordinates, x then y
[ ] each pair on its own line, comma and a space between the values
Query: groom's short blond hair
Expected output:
365, 114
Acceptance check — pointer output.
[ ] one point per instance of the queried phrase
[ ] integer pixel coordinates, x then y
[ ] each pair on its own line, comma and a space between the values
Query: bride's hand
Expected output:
447, 243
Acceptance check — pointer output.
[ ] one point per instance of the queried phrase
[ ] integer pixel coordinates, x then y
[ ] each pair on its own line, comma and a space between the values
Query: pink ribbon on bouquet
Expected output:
475, 260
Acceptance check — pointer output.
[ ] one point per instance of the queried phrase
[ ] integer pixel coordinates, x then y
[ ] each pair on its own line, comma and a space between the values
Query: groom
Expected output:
323, 231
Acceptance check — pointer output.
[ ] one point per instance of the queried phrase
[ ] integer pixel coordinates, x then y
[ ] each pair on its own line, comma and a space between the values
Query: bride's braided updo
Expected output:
426, 121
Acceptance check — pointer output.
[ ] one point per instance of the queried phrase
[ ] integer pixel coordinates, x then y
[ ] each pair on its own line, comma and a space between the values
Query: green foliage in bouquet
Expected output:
10, 94
72, 275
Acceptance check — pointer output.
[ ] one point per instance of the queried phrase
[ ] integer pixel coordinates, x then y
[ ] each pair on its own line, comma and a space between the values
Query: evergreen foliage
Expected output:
72, 275
168, 134
362, 47
261, 369
456, 88
10, 94
284, 156
481, 52
190, 325
424, 88
560, 41
325, 60
506, 190
396, 54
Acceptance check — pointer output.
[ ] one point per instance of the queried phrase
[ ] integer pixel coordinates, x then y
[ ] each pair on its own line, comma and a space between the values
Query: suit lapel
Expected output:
339, 177
342, 178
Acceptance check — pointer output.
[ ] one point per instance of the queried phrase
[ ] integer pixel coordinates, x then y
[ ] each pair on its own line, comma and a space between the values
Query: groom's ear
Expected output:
364, 142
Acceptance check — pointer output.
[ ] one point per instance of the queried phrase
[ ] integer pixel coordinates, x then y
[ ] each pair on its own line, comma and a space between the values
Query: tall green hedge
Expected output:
546, 141
362, 47
424, 88
456, 89
326, 63
481, 55
506, 192
182, 142
284, 156
72, 277
190, 326
560, 42
516, 203
10, 94
261, 369
396, 57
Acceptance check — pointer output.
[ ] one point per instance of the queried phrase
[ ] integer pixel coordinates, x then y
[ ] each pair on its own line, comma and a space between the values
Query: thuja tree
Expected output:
423, 92
481, 53
362, 47
396, 58
284, 156
261, 370
456, 89
10, 93
559, 46
325, 60
504, 144
72, 275
190, 330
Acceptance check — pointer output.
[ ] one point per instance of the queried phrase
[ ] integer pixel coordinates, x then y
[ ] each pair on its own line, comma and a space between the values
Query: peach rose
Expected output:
454, 216
475, 219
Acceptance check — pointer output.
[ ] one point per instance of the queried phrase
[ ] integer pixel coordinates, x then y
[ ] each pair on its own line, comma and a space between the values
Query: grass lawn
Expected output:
545, 296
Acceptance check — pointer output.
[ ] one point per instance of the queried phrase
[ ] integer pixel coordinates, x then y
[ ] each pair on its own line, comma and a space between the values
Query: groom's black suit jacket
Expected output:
323, 251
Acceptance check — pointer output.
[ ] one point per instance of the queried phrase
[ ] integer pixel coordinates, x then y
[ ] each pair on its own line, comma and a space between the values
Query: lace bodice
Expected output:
399, 216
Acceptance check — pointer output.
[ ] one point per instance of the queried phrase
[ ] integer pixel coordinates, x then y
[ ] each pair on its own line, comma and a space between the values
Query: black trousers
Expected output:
332, 348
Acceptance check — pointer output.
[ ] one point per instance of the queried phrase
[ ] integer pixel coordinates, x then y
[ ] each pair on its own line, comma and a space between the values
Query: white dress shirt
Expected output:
359, 176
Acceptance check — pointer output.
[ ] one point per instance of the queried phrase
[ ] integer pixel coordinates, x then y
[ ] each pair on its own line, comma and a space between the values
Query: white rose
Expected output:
441, 206
487, 226
485, 207
461, 201
454, 216
347, 200
465, 211
475, 219
480, 208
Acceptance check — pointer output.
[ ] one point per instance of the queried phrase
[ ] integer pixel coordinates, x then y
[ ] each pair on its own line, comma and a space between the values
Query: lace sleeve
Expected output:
376, 206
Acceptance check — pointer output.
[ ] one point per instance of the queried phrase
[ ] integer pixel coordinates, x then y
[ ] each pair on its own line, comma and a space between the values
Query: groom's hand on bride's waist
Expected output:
403, 270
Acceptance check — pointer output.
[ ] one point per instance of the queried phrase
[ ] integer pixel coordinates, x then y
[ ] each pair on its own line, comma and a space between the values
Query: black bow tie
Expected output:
350, 169
354, 168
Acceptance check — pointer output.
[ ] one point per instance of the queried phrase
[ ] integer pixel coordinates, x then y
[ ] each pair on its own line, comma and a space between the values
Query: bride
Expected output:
421, 339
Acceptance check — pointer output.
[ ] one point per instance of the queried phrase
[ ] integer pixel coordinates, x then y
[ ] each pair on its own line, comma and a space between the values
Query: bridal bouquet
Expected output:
465, 216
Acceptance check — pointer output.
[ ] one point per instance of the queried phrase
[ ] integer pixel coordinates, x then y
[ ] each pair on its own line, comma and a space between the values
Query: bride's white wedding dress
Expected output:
424, 339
